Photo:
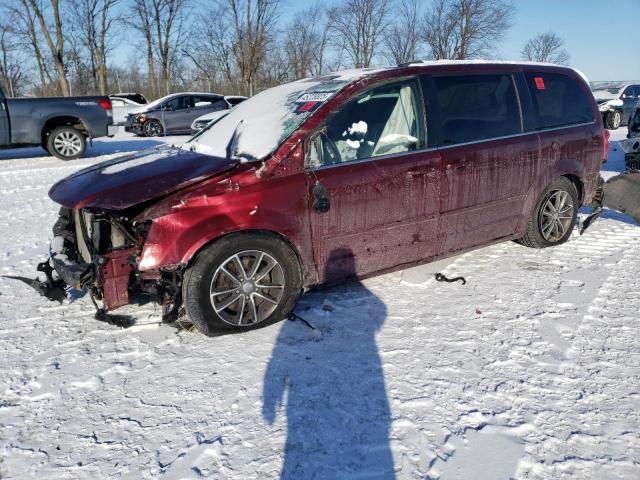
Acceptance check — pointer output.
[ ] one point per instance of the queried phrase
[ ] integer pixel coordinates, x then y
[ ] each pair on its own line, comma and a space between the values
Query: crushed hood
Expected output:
126, 181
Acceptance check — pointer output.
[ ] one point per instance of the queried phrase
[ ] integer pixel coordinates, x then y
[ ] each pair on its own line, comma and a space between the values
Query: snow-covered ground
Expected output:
531, 370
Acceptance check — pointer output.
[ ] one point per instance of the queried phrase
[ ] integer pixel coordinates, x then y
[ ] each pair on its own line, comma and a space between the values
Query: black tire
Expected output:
152, 128
535, 238
200, 276
66, 143
613, 119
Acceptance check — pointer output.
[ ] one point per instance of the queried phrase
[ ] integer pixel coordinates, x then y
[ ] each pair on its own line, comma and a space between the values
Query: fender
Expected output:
186, 224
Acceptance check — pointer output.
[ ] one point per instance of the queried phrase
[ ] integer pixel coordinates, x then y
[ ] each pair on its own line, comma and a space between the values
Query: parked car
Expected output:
134, 97
631, 146
173, 114
121, 108
616, 102
392, 167
61, 125
201, 122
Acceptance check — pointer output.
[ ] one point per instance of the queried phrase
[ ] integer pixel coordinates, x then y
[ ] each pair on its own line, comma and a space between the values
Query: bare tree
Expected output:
24, 25
142, 21
11, 61
461, 29
546, 47
168, 16
359, 27
251, 23
95, 20
402, 38
54, 39
214, 58
305, 42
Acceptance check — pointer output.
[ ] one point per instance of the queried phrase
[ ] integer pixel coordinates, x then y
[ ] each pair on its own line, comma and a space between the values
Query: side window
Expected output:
177, 103
382, 121
558, 100
477, 107
209, 102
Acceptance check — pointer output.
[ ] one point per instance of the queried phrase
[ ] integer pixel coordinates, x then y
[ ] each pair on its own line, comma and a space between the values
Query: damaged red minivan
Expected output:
395, 166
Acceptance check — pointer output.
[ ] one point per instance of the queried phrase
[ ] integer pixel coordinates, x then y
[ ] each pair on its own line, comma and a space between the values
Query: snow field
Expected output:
531, 370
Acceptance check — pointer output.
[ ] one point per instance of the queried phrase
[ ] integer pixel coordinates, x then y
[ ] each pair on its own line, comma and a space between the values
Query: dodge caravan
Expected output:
395, 166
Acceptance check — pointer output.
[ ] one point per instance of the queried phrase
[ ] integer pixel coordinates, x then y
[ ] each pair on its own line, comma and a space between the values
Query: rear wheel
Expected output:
554, 216
613, 120
152, 128
242, 282
66, 143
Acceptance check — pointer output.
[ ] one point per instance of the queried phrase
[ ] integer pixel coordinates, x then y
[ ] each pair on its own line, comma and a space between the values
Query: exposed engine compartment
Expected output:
98, 251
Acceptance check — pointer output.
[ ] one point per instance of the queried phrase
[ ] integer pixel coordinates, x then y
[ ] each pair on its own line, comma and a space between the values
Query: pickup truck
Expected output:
61, 125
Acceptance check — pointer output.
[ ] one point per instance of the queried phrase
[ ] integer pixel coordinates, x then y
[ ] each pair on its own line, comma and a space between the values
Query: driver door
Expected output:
373, 185
172, 113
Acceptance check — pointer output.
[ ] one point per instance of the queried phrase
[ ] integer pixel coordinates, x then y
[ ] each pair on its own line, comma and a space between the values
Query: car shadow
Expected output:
328, 374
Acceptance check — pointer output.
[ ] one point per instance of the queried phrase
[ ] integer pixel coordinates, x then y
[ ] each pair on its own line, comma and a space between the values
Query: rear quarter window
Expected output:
477, 107
558, 100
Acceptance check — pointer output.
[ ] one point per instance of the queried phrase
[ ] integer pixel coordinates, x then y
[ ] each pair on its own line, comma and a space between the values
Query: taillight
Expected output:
605, 144
104, 103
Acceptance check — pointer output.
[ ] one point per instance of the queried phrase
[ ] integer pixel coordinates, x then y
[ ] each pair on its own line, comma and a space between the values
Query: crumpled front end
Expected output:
98, 251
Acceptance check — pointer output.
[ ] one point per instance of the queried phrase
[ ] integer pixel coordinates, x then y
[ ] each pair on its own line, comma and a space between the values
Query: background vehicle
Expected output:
60, 125
121, 108
173, 114
134, 97
201, 122
616, 102
261, 203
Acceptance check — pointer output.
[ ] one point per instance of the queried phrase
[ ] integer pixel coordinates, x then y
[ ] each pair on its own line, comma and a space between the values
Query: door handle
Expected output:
454, 163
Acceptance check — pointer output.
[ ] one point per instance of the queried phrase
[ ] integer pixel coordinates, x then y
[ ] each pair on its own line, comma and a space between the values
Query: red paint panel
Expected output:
115, 274
384, 211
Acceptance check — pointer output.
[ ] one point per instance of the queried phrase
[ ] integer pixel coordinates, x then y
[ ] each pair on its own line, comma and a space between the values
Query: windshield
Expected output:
606, 93
261, 123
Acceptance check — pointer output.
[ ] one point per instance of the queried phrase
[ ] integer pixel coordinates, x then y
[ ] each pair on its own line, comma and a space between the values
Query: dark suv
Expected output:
616, 102
318, 180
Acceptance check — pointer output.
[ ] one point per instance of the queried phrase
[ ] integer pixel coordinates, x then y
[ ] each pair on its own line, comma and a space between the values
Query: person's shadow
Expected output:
338, 415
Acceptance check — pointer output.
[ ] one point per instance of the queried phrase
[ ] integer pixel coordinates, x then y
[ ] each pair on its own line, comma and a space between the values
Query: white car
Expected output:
122, 107
204, 120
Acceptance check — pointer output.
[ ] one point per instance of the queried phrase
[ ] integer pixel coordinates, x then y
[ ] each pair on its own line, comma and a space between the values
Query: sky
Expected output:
602, 36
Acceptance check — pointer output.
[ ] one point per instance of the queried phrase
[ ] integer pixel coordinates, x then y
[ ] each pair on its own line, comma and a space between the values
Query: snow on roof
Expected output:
357, 73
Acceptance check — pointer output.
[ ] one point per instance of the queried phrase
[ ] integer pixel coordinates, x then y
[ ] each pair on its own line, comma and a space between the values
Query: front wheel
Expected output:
613, 120
241, 282
152, 128
66, 143
554, 216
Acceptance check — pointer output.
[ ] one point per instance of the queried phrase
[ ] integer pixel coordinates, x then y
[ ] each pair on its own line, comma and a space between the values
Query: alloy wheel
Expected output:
153, 129
556, 216
247, 288
67, 143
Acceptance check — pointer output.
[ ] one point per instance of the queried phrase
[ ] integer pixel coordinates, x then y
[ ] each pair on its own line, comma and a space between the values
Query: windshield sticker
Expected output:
314, 97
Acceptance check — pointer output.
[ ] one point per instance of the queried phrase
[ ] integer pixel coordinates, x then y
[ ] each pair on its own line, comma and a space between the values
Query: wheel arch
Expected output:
62, 121
193, 253
577, 182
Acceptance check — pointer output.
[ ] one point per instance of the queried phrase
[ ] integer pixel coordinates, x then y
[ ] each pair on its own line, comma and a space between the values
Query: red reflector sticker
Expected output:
539, 83
305, 107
